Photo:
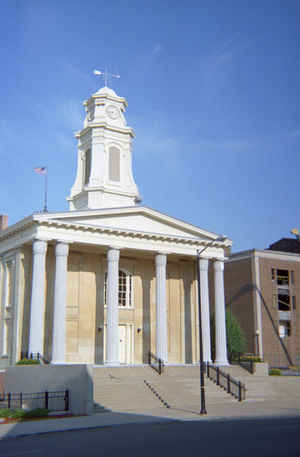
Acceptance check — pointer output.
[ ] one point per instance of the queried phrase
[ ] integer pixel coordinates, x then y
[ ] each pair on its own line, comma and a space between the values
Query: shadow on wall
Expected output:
253, 287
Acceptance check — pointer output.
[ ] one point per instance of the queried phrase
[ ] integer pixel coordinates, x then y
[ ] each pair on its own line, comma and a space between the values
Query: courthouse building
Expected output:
109, 280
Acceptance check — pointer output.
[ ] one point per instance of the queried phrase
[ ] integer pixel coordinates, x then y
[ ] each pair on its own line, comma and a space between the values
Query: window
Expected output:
284, 302
125, 289
114, 164
284, 329
282, 277
87, 169
294, 302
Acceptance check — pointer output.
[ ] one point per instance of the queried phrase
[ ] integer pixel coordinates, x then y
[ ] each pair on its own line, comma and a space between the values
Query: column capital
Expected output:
161, 259
39, 246
61, 249
113, 254
203, 264
218, 264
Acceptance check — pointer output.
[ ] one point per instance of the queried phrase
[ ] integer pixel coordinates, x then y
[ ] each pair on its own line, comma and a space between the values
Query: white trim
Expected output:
258, 306
268, 254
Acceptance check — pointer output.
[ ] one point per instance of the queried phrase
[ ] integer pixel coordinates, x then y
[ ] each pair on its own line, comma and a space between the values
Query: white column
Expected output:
205, 318
36, 331
161, 308
60, 297
220, 323
3, 310
112, 301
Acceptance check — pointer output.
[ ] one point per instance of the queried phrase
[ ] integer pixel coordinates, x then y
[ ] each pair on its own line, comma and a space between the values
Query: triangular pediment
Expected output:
136, 219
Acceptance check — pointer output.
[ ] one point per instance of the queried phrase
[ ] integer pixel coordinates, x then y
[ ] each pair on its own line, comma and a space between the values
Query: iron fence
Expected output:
155, 362
54, 400
236, 388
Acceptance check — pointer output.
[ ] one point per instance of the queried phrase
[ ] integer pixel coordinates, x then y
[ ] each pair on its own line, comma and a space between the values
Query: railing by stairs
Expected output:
236, 388
156, 363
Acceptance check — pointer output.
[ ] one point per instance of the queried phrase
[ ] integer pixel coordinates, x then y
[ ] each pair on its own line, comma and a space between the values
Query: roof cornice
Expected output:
129, 233
106, 126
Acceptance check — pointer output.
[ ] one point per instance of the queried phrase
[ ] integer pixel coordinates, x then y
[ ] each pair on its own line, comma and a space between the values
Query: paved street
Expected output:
248, 437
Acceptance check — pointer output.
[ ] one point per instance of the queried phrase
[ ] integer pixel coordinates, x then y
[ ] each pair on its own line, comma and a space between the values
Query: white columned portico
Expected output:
161, 308
36, 331
220, 322
112, 301
60, 297
205, 318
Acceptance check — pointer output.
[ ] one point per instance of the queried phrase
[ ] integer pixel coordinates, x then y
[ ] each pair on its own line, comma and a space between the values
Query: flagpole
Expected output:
46, 192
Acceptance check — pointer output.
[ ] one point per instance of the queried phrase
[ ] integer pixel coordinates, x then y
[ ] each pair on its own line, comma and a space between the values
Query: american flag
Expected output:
40, 170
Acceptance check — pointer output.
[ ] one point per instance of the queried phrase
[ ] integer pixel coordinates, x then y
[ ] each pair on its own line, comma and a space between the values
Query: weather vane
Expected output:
106, 75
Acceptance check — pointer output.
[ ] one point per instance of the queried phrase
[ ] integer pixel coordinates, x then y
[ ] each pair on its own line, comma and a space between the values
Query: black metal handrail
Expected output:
246, 363
236, 388
53, 400
156, 363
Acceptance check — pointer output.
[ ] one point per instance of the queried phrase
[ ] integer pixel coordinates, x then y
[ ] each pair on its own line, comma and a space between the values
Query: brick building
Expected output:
262, 288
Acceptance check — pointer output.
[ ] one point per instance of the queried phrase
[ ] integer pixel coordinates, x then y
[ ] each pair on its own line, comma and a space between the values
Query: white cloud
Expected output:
158, 48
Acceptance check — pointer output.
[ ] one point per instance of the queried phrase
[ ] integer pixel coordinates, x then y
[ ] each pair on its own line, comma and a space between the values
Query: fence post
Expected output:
46, 400
66, 400
8, 400
228, 383
240, 391
218, 376
159, 366
21, 400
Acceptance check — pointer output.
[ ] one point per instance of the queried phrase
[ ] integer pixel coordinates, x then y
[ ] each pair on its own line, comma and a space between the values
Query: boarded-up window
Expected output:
114, 164
87, 170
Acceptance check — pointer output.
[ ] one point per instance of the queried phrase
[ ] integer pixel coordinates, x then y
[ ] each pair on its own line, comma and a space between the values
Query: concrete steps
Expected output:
124, 389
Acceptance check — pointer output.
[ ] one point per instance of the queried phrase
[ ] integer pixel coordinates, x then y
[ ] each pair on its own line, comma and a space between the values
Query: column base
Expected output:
112, 364
221, 363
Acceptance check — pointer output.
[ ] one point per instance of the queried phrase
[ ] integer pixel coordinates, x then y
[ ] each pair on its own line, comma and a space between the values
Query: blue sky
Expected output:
213, 90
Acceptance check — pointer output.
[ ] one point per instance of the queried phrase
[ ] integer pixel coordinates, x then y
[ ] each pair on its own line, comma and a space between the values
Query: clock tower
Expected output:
104, 163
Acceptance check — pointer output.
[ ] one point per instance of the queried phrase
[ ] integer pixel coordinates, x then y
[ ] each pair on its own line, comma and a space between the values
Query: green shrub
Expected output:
254, 358
28, 362
236, 341
38, 412
13, 413
5, 412
274, 372
23, 413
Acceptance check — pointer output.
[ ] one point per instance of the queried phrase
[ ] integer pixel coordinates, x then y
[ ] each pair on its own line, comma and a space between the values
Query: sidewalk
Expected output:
236, 411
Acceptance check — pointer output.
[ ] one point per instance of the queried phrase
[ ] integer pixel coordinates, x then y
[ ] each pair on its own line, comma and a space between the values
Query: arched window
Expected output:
114, 164
125, 289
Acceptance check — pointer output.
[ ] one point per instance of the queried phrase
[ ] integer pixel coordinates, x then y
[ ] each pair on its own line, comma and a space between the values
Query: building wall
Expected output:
239, 298
276, 348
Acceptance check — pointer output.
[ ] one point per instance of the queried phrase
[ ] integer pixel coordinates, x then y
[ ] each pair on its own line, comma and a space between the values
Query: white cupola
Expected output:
104, 165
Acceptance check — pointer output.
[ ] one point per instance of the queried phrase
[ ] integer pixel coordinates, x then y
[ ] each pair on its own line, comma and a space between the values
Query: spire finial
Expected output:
105, 75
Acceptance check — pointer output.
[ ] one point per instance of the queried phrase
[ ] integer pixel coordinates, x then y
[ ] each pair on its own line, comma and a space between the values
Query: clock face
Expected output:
112, 111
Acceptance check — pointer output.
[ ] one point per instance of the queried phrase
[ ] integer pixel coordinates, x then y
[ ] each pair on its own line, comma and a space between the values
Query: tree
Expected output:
236, 340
